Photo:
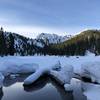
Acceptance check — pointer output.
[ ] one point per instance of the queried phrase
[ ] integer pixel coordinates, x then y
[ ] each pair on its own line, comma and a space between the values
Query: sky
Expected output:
62, 17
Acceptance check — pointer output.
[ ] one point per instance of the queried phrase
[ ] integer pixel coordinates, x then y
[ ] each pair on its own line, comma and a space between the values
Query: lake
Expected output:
43, 89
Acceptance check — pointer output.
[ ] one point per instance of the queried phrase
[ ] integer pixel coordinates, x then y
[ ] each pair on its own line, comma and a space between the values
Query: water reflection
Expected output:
39, 84
1, 93
10, 81
43, 88
43, 81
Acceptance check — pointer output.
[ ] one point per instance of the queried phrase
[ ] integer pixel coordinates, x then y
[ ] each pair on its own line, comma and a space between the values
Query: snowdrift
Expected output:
8, 68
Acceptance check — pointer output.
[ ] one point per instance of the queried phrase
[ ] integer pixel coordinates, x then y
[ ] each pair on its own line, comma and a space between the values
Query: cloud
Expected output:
53, 16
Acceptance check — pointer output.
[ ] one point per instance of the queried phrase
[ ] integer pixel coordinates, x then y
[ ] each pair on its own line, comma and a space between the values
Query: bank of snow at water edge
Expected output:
62, 74
91, 91
16, 64
40, 71
91, 70
10, 67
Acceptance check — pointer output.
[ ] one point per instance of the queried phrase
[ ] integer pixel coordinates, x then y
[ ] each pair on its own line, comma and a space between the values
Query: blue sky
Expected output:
30, 17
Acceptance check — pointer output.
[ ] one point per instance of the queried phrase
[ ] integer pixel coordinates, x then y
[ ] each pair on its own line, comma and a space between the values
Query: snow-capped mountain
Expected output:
52, 38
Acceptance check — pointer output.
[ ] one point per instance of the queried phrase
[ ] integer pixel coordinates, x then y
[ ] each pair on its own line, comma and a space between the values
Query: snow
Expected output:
52, 38
91, 91
64, 75
88, 53
46, 61
32, 78
13, 76
55, 65
42, 70
1, 80
76, 87
68, 87
92, 70
9, 67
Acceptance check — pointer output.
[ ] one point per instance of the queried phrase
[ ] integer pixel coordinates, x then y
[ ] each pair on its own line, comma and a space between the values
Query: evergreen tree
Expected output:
11, 45
2, 43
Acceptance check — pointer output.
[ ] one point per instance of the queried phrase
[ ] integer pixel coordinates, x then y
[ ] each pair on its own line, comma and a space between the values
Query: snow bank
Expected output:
32, 78
42, 70
12, 64
91, 70
8, 68
91, 91
68, 87
1, 80
64, 75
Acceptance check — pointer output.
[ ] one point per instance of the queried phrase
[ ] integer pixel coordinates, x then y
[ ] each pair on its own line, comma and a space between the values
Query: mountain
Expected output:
52, 38
14, 44
88, 40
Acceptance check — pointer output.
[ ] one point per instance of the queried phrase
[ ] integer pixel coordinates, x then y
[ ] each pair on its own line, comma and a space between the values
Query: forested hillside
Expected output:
78, 45
14, 44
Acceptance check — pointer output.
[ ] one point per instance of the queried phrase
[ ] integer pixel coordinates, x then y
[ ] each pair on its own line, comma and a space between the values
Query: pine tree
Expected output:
2, 43
11, 45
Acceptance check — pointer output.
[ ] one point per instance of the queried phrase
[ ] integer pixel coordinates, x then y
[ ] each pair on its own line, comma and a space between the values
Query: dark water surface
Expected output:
44, 89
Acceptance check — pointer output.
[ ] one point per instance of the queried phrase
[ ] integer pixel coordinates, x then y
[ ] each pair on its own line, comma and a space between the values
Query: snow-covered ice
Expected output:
91, 91
1, 80
68, 87
76, 86
92, 70
10, 67
42, 70
64, 75
46, 61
